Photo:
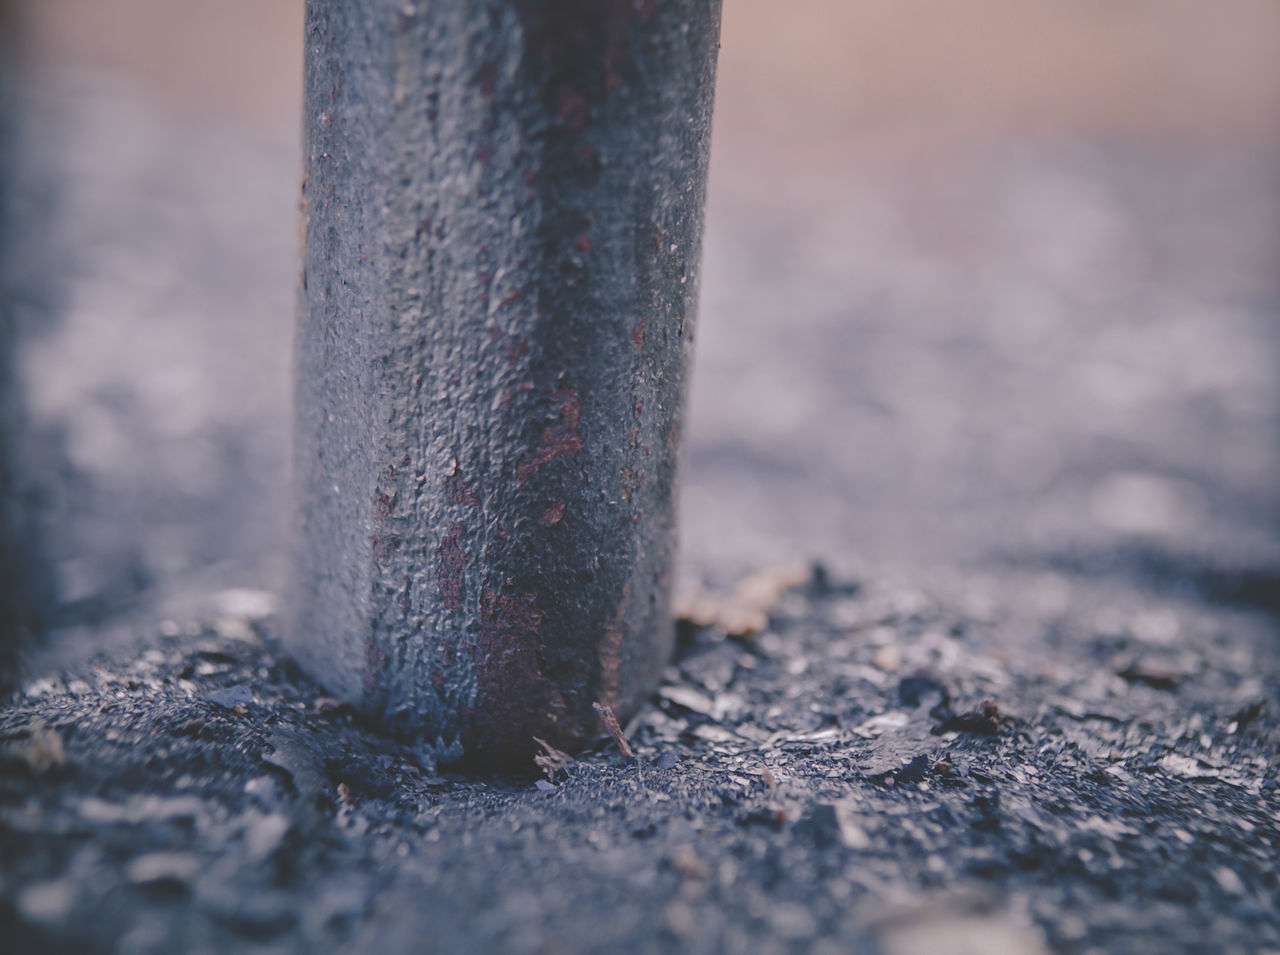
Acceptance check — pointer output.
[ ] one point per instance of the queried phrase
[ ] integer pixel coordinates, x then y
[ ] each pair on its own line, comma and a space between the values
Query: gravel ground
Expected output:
1018, 403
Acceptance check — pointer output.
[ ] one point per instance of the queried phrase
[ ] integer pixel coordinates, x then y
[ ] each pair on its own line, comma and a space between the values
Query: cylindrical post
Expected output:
502, 209
15, 610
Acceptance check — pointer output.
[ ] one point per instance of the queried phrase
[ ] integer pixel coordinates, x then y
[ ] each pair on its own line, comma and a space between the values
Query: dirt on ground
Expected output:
873, 771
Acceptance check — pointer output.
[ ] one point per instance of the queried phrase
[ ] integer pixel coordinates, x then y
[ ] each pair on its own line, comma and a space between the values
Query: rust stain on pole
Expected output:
502, 210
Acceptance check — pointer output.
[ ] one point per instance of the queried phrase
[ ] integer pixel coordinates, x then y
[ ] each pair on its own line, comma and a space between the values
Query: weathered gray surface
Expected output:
503, 213
8, 608
14, 607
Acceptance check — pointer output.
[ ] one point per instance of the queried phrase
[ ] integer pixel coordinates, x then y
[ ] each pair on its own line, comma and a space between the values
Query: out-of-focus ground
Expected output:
813, 71
994, 280
990, 321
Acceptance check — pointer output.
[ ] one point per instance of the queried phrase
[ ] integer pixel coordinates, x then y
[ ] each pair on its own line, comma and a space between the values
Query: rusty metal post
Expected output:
502, 208
14, 605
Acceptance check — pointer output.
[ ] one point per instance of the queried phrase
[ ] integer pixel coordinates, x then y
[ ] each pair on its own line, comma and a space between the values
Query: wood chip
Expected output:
745, 610
1187, 767
690, 699
685, 860
41, 748
771, 782
551, 761
610, 722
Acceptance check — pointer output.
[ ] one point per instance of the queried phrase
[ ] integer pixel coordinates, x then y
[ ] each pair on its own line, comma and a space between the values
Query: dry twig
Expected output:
770, 782
551, 761
611, 724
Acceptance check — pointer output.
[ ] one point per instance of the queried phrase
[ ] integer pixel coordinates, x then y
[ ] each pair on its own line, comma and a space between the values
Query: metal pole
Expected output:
502, 209
15, 605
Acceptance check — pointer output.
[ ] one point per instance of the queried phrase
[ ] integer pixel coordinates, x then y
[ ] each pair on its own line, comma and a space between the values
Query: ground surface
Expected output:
874, 772
1017, 398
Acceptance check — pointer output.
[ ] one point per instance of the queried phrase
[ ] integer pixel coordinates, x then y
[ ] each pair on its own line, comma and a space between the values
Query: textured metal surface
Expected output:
12, 609
502, 209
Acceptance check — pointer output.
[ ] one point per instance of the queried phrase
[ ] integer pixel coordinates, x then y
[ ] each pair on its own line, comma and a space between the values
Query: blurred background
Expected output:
990, 294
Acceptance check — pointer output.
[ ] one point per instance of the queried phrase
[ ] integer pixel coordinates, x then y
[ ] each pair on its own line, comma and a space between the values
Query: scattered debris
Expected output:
1187, 767
172, 868
1228, 881
1166, 675
235, 628
685, 860
328, 706
242, 611
770, 782
139, 809
230, 697
804, 705
882, 723
249, 603
295, 756
689, 698
264, 832
1248, 713
668, 759
833, 823
680, 920
744, 610
770, 818
985, 719
39, 747
888, 658
714, 734
48, 903
610, 722
553, 762
915, 771
792, 921
921, 688
959, 926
